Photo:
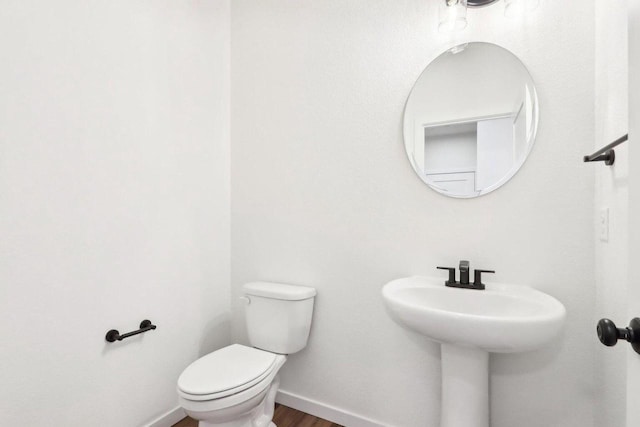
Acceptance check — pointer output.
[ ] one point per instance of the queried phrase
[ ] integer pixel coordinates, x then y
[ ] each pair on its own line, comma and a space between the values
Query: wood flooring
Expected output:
284, 417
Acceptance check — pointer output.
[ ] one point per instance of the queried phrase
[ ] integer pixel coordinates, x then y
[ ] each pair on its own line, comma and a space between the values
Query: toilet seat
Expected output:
244, 396
228, 371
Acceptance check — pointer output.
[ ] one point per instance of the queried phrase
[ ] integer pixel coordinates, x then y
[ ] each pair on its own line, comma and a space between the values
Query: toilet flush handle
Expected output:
246, 300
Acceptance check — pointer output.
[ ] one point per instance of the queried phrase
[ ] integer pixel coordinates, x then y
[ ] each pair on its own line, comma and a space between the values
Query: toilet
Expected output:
236, 386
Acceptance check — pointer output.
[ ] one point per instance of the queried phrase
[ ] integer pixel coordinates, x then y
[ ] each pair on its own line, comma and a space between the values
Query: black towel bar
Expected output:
114, 335
606, 154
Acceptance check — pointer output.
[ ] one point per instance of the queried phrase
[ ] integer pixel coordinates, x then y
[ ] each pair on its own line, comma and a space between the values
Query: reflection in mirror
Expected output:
470, 120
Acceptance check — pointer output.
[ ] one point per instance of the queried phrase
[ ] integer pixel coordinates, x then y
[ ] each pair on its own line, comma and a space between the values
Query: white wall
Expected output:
114, 204
323, 195
612, 183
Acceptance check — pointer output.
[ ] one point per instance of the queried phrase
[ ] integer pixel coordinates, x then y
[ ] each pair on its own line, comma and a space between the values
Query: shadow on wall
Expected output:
216, 334
505, 364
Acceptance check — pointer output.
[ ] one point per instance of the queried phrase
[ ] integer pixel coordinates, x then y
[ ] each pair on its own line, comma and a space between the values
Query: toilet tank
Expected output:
278, 316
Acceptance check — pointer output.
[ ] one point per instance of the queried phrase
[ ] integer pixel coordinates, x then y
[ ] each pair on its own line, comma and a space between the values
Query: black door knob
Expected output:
609, 333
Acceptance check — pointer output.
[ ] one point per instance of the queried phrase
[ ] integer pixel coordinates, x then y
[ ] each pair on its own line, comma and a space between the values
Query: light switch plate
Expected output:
603, 223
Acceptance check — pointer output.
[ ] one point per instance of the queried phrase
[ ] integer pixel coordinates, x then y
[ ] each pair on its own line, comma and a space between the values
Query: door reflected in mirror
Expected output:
470, 120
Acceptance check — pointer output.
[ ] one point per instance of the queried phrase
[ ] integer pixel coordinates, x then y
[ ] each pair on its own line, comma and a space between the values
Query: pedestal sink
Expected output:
470, 324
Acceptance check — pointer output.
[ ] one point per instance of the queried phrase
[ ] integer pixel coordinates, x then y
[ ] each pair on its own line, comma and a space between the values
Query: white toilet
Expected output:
236, 386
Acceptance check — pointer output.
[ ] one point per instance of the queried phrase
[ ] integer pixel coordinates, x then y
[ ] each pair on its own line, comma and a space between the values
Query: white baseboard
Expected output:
327, 412
168, 419
310, 406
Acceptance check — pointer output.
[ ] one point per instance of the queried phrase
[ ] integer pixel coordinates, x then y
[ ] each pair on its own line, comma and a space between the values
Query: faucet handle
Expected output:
477, 277
452, 275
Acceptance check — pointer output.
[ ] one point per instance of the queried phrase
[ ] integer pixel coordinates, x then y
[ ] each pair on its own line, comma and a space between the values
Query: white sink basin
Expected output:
470, 324
499, 319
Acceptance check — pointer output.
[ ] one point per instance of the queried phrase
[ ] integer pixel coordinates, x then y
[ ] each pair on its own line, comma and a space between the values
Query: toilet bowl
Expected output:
232, 387
236, 386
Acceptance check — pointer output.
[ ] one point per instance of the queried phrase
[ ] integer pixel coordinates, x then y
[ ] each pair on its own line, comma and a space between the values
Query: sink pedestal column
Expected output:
465, 387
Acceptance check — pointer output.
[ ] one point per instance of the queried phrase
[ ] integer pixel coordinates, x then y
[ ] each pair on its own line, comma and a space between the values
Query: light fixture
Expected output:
480, 3
453, 13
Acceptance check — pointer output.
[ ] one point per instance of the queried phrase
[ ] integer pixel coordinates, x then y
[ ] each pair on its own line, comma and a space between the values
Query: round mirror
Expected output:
471, 120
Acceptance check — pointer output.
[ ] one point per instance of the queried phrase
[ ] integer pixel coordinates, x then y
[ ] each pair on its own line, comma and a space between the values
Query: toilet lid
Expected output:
225, 370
